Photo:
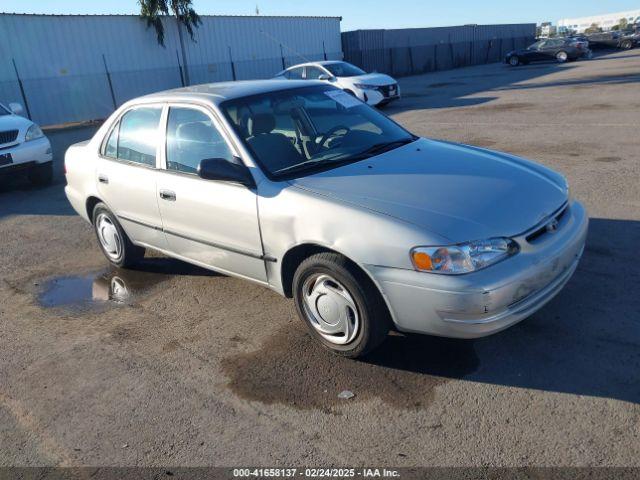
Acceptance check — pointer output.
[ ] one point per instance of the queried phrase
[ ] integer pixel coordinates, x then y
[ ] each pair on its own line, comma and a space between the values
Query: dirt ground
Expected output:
194, 368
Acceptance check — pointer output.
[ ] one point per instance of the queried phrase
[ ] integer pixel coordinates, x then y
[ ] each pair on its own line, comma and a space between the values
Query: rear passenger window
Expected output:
192, 137
111, 148
294, 74
139, 135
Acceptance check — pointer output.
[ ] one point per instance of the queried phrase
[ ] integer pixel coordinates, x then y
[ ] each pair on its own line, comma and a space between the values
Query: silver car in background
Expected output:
302, 188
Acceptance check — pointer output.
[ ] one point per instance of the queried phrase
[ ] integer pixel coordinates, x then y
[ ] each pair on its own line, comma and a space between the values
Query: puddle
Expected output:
111, 285
291, 369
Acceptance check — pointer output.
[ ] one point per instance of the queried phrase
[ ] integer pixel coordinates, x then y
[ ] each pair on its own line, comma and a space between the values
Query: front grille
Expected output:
386, 90
8, 136
546, 228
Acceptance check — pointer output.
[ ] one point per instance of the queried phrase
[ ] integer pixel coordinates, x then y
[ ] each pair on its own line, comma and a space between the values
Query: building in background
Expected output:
606, 21
68, 68
547, 29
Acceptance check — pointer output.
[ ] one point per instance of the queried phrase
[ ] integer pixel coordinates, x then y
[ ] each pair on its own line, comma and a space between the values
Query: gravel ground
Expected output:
195, 368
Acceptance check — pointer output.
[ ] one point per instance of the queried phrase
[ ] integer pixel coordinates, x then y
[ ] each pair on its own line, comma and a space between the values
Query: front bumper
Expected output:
488, 301
378, 96
27, 154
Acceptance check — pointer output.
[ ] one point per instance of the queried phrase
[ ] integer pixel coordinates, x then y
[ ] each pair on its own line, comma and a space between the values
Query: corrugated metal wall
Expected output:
418, 50
63, 61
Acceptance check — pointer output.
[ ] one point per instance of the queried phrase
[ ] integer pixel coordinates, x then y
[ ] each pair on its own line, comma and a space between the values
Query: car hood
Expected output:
377, 79
14, 122
459, 192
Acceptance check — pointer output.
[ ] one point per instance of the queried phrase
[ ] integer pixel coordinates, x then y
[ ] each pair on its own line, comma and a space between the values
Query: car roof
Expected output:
217, 93
321, 62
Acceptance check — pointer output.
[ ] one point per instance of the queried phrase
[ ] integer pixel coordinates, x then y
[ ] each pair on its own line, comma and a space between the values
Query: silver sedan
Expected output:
304, 189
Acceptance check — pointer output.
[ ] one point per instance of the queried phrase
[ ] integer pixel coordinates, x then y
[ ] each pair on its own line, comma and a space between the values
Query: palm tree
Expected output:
153, 10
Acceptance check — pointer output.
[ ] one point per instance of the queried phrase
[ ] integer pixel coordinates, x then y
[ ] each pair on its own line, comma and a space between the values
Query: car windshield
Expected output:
344, 69
296, 132
4, 110
535, 46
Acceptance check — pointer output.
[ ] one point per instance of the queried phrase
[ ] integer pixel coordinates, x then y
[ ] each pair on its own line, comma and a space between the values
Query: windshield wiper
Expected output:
384, 147
310, 164
339, 159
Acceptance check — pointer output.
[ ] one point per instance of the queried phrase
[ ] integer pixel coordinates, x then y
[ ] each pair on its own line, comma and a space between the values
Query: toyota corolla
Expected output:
304, 189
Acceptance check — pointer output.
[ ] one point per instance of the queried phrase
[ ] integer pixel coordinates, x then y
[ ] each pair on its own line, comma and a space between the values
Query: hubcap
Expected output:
108, 236
562, 56
330, 309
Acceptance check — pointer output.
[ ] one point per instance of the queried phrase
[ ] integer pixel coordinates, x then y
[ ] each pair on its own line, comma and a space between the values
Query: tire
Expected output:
562, 56
41, 175
112, 239
514, 61
357, 319
626, 45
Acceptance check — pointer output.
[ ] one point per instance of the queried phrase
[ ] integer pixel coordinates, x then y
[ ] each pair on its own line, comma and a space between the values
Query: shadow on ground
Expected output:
454, 87
585, 342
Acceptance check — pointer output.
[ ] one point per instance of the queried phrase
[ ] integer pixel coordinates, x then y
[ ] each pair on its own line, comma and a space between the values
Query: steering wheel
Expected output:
332, 132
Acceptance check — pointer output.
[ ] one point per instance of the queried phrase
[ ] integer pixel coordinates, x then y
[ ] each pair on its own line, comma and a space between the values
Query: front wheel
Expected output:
113, 241
626, 45
562, 57
340, 305
514, 61
41, 174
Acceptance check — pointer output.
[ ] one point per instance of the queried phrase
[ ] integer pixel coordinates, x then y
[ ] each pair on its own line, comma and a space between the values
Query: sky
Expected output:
360, 14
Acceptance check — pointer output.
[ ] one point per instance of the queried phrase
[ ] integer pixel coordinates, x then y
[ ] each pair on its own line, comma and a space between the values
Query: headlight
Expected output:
364, 86
463, 258
33, 133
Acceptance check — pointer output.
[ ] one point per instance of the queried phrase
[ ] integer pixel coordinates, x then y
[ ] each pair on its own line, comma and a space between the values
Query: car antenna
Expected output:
282, 44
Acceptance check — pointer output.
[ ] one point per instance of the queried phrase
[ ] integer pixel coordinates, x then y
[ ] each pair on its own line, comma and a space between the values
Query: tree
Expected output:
594, 28
153, 10
623, 23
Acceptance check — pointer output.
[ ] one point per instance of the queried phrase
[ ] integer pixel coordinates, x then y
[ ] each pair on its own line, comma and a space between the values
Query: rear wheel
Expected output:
562, 57
41, 174
341, 306
113, 241
514, 61
626, 45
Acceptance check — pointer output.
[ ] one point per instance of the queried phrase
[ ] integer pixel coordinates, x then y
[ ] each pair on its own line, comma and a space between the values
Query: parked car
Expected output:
582, 44
559, 49
304, 189
372, 88
23, 147
630, 39
610, 40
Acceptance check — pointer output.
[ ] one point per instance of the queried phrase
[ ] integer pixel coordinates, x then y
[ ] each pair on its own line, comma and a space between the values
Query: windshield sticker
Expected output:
343, 98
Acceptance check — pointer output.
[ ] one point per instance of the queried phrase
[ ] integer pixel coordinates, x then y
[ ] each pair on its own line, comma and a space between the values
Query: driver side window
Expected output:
191, 138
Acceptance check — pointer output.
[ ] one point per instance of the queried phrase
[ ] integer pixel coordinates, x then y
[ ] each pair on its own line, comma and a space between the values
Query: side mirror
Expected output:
325, 77
16, 108
226, 171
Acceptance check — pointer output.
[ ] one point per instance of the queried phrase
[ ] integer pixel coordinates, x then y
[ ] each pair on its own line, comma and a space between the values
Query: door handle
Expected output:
103, 178
168, 195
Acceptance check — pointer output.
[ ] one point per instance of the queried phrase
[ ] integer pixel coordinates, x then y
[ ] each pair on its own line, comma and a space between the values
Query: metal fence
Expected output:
76, 68
415, 51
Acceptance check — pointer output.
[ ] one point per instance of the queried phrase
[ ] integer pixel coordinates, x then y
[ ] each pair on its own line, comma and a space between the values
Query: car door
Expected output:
212, 223
126, 174
548, 50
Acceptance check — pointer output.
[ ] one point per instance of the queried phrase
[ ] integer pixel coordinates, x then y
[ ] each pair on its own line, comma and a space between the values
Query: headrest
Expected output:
262, 123
194, 132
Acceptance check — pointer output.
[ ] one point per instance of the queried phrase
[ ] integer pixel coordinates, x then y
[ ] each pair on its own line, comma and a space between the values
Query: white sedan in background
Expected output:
376, 89
23, 146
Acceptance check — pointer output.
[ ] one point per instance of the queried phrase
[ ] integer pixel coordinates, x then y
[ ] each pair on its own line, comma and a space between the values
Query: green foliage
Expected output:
152, 12
594, 28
